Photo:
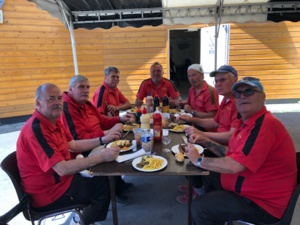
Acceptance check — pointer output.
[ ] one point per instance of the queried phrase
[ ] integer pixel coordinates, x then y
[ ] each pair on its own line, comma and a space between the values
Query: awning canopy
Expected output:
105, 14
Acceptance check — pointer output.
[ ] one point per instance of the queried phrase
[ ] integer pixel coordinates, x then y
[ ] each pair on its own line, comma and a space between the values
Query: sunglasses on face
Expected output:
247, 93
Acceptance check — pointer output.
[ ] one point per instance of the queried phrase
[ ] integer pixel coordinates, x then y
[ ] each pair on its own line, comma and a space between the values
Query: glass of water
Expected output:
166, 139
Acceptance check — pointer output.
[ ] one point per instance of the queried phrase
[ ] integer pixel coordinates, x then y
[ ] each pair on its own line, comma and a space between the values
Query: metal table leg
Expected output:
190, 194
113, 199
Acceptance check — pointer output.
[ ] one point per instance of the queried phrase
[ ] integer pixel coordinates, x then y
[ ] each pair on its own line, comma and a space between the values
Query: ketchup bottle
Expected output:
157, 125
138, 116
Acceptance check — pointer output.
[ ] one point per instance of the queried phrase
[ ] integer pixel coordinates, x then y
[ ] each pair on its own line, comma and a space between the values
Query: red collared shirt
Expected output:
202, 102
39, 147
264, 147
166, 87
84, 121
226, 116
105, 96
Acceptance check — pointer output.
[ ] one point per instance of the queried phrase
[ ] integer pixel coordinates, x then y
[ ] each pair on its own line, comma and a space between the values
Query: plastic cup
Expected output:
165, 119
137, 135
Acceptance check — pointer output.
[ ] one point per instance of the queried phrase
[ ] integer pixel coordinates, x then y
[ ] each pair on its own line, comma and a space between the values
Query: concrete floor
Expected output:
153, 198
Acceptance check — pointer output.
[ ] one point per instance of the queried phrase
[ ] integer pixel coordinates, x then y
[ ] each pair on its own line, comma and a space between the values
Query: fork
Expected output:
126, 133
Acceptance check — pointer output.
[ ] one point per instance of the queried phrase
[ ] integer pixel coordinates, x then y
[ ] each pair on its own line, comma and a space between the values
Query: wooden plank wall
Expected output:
271, 52
35, 48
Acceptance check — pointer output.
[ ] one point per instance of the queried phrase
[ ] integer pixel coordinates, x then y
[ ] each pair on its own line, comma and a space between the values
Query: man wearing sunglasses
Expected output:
224, 122
254, 177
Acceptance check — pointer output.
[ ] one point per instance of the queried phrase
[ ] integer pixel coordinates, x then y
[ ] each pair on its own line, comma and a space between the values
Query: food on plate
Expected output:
172, 125
150, 163
127, 127
179, 157
182, 148
133, 110
174, 110
178, 128
123, 144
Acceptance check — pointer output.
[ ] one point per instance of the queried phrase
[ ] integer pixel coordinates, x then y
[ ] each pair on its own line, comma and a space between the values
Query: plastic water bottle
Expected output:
157, 125
146, 142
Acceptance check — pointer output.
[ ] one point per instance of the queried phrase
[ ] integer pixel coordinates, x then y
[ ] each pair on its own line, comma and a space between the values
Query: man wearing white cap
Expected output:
203, 99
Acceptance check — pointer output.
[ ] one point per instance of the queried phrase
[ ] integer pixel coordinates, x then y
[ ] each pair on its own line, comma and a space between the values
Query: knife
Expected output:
184, 139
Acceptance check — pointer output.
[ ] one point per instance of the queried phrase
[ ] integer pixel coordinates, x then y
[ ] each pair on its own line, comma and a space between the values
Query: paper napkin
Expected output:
123, 158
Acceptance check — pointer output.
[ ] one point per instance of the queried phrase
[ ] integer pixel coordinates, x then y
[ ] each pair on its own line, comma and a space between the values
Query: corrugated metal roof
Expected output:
105, 14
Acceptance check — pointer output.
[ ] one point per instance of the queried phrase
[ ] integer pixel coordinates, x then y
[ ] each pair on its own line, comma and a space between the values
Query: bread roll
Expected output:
179, 157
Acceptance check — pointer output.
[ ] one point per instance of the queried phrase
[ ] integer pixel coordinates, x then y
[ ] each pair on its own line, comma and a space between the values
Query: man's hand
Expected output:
112, 109
189, 130
138, 102
127, 117
112, 136
185, 118
118, 127
110, 154
192, 153
188, 108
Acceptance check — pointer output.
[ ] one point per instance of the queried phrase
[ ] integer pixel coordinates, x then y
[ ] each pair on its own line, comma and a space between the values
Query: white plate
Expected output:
183, 113
122, 149
139, 159
175, 149
180, 131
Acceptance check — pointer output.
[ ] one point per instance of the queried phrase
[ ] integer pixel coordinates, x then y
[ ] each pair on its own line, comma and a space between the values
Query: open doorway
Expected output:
188, 46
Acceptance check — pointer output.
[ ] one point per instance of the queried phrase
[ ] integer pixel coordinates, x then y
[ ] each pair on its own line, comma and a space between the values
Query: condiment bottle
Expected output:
157, 125
156, 102
145, 120
165, 103
138, 117
149, 103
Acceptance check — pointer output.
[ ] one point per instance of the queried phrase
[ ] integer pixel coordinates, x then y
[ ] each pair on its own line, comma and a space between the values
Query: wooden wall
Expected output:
35, 48
270, 51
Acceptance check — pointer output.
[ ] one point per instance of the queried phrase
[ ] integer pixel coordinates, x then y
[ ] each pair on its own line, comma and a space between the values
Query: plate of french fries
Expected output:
125, 145
149, 163
179, 128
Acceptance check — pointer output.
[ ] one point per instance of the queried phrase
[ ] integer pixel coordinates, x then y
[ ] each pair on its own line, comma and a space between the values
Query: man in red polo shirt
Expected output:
108, 99
203, 99
224, 122
254, 178
158, 85
48, 174
85, 121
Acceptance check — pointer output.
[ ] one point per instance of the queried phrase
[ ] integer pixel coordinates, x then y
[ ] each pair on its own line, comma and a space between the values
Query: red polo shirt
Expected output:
264, 147
84, 121
202, 102
39, 147
166, 87
226, 116
105, 96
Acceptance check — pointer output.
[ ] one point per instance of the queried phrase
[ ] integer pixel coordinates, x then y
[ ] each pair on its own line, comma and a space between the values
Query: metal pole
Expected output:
73, 43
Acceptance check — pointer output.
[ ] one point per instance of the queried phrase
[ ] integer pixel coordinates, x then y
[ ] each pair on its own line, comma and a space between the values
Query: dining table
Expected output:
173, 168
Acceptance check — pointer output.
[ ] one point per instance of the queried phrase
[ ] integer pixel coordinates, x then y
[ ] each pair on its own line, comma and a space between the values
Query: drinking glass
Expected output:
166, 139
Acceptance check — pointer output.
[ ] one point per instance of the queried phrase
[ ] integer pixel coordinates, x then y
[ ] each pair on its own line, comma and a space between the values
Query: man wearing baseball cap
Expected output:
203, 99
254, 177
224, 122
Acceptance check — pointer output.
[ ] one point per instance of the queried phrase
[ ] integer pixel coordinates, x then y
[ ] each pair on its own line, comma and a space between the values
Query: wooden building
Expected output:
35, 48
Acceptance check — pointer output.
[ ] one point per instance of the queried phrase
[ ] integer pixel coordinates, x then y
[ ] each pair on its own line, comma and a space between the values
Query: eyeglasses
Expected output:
247, 93
222, 80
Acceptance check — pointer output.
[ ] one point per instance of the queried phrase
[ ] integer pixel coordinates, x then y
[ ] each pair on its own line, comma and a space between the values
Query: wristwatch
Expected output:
194, 112
199, 160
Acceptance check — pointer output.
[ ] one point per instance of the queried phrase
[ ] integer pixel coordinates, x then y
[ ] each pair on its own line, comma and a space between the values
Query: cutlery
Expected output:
184, 138
126, 133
